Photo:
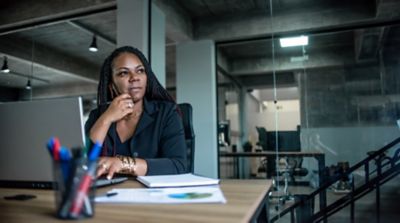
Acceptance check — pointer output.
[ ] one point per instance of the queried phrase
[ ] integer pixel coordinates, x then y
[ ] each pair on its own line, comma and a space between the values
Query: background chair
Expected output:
262, 138
187, 121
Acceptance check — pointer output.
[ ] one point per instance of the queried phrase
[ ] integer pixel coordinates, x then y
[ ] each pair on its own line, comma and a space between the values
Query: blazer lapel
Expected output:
146, 119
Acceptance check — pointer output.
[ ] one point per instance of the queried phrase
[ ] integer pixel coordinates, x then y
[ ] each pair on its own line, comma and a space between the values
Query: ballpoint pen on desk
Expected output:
108, 194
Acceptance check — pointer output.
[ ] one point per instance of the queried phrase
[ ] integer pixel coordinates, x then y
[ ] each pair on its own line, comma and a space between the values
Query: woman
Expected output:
136, 119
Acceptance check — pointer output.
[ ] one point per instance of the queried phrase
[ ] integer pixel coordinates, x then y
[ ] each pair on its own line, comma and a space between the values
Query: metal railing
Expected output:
385, 168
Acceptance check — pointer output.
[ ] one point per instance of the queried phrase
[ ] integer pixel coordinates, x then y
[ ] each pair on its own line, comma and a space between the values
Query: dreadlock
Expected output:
154, 90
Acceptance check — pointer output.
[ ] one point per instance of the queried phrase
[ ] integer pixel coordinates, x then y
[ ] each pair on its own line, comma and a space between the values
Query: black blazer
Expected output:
159, 138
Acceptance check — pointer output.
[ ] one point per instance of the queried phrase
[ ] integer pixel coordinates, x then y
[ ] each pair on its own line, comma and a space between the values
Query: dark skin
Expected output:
129, 82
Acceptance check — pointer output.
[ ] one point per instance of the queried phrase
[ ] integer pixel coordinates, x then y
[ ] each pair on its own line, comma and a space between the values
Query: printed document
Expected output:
172, 195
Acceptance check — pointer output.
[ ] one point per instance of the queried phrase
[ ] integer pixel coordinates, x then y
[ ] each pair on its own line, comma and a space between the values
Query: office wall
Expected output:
232, 114
284, 116
347, 143
286, 119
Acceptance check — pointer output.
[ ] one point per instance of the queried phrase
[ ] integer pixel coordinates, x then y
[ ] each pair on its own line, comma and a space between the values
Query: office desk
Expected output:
246, 201
270, 155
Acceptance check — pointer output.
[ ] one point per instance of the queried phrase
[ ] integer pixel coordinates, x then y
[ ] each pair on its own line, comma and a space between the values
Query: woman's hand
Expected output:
109, 166
120, 107
112, 165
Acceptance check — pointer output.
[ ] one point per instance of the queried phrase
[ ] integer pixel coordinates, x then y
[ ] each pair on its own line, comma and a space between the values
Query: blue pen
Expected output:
49, 145
65, 157
95, 152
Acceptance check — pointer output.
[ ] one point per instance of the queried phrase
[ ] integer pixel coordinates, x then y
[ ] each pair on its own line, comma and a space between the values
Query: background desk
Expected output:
246, 200
270, 155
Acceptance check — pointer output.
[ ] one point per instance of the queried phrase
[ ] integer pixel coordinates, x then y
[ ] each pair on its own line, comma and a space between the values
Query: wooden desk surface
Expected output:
243, 198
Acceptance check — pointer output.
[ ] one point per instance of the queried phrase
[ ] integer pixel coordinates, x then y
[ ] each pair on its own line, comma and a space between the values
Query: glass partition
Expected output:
321, 104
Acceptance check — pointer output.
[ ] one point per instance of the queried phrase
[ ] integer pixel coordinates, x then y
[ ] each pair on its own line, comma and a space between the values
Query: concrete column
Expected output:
196, 84
133, 24
157, 47
134, 29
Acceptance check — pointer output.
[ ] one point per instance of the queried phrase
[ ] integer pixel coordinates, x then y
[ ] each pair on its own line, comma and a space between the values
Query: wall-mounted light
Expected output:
28, 85
5, 68
294, 41
93, 45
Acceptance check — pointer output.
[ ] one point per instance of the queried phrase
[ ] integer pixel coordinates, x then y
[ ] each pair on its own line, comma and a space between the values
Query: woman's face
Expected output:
129, 76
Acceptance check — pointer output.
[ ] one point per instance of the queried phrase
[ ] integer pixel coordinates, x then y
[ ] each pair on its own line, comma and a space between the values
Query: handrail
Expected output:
322, 214
354, 194
355, 167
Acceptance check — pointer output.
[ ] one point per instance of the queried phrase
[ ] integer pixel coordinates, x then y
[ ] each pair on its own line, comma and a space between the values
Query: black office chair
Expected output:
187, 120
262, 138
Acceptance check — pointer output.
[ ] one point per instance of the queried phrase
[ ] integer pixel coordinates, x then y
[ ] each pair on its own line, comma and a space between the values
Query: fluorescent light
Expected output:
294, 41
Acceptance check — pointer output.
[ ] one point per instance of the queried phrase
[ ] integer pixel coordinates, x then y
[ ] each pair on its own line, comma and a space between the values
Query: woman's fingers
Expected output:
120, 107
113, 169
109, 166
101, 169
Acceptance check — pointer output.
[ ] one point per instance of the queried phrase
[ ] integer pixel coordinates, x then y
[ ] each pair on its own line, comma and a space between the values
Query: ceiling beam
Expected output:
262, 65
59, 63
16, 16
53, 91
178, 23
384, 8
89, 31
286, 79
29, 76
259, 24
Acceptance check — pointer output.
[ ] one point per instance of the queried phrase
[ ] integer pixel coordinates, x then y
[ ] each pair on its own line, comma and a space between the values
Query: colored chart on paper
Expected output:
190, 196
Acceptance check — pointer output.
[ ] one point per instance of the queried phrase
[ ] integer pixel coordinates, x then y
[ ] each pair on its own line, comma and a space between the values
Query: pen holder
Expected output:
74, 193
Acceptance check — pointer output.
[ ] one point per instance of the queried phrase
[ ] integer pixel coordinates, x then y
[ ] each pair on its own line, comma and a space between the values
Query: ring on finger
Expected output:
105, 167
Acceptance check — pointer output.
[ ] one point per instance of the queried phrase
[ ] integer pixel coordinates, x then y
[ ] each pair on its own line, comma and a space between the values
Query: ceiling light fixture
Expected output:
5, 68
28, 85
294, 41
93, 45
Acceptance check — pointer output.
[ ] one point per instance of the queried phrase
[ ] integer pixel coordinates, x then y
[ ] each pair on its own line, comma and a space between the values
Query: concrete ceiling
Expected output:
47, 41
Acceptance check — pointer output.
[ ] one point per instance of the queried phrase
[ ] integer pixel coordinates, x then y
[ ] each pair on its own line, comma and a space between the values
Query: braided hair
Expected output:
154, 90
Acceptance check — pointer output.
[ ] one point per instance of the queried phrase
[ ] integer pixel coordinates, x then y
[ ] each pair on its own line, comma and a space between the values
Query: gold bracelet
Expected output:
128, 164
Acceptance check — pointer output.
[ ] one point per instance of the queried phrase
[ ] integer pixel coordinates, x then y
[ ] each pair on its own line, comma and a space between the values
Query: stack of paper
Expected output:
178, 180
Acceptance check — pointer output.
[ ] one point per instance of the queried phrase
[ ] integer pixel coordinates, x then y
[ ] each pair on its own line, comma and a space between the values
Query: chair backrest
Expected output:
187, 120
262, 138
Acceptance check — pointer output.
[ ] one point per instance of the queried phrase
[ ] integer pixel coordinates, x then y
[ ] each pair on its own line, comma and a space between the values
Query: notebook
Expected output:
177, 180
25, 128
